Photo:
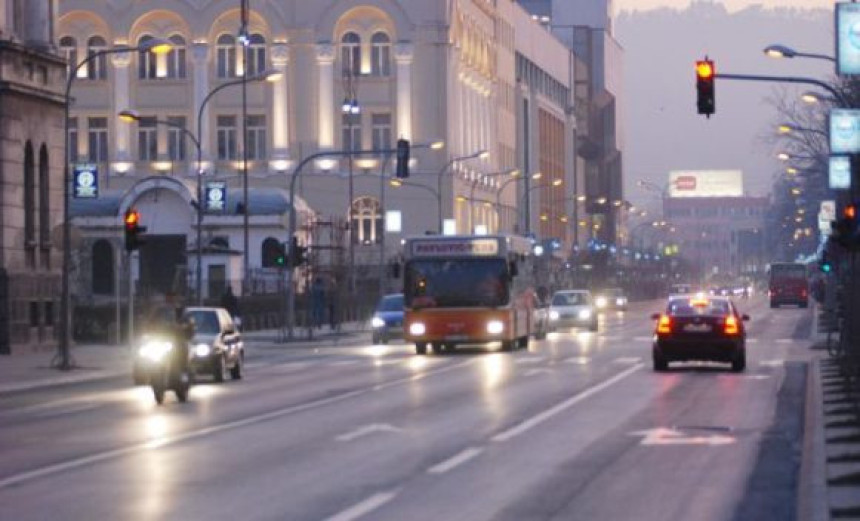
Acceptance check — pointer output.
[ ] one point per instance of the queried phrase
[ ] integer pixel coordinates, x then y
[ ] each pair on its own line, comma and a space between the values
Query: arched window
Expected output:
29, 204
366, 220
380, 54
147, 66
256, 54
272, 253
350, 54
102, 266
69, 50
44, 206
98, 67
225, 49
176, 57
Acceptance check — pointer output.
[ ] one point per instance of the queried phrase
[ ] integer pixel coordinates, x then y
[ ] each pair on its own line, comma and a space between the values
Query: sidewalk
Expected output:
23, 372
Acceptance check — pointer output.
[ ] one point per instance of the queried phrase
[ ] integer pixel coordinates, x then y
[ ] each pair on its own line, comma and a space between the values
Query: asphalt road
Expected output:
576, 427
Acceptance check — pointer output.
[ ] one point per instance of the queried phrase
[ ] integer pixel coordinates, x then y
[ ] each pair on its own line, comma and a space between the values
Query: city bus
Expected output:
470, 290
788, 283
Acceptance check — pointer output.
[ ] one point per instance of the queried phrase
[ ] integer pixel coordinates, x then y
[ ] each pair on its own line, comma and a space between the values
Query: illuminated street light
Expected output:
782, 51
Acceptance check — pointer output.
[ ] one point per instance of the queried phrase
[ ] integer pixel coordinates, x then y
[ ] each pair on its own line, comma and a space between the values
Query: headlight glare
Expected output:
553, 315
155, 349
601, 302
377, 322
417, 329
585, 314
494, 327
202, 350
620, 302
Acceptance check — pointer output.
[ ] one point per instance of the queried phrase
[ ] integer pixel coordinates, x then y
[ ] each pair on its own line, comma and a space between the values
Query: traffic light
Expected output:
824, 263
845, 231
133, 230
705, 74
281, 256
402, 170
298, 255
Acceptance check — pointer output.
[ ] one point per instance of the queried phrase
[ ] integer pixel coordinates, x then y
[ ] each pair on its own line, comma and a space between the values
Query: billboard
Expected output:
847, 38
844, 131
839, 174
706, 183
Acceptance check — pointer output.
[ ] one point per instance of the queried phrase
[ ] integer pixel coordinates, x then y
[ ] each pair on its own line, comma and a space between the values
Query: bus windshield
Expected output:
456, 283
788, 271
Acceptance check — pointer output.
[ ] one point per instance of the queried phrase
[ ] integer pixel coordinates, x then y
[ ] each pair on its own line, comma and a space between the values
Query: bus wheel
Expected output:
509, 345
437, 348
524, 342
421, 349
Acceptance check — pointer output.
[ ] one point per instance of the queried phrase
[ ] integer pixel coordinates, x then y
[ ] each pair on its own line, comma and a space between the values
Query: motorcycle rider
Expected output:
172, 325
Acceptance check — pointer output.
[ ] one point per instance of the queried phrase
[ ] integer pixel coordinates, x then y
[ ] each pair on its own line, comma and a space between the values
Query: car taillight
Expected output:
731, 326
664, 325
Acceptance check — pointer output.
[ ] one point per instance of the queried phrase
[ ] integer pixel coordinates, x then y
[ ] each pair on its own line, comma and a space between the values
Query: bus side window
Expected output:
513, 271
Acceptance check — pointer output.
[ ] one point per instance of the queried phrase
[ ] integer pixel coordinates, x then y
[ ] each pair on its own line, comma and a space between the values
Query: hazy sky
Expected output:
731, 4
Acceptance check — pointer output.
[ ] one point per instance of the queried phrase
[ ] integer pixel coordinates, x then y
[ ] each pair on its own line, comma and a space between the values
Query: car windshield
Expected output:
698, 307
204, 321
570, 299
456, 283
614, 292
391, 303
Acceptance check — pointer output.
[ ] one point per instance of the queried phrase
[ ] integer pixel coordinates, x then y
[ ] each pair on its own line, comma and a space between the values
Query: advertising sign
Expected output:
393, 221
86, 181
847, 38
844, 131
216, 196
465, 247
826, 214
706, 183
839, 175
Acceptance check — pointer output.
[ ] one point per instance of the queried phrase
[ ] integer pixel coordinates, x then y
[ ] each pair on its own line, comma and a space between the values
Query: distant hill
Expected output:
663, 131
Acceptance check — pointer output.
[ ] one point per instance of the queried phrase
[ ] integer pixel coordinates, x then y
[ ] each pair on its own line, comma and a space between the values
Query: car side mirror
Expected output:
745, 318
655, 316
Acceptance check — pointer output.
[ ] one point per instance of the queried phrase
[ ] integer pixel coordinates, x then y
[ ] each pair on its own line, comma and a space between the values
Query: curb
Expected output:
59, 381
812, 502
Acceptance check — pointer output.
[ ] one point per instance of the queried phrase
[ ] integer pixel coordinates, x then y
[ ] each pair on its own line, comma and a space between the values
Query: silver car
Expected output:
572, 308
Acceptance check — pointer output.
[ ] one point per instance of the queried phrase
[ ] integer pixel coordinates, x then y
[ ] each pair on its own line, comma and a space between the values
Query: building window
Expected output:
98, 139
44, 207
73, 139
381, 130
69, 50
97, 69
351, 135
176, 138
102, 268
350, 54
176, 58
380, 55
30, 204
366, 220
256, 137
256, 55
225, 50
147, 140
226, 131
147, 61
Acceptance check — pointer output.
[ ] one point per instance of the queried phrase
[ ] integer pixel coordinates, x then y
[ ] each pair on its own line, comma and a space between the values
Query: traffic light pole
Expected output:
785, 79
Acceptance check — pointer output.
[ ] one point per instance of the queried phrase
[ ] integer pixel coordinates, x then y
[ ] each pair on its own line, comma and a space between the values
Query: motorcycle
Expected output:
163, 371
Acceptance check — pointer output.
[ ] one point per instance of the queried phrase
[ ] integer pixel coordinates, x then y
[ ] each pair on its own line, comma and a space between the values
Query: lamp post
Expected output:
782, 51
155, 45
513, 172
350, 108
787, 128
482, 154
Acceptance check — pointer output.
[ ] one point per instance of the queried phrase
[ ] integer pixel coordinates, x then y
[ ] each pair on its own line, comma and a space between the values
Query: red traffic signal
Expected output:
133, 229
705, 75
850, 212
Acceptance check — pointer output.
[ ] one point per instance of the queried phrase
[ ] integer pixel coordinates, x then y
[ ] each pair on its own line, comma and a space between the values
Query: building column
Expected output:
325, 115
280, 108
121, 86
403, 55
199, 55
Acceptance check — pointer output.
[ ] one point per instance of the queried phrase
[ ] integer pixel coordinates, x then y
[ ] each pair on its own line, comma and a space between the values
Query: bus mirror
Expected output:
512, 269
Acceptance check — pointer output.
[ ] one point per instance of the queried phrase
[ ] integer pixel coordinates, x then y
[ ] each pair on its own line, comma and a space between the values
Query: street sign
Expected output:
844, 131
216, 196
86, 181
839, 174
847, 38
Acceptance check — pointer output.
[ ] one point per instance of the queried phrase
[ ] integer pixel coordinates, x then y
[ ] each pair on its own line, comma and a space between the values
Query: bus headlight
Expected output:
584, 314
417, 329
601, 302
377, 322
621, 302
202, 350
553, 315
494, 327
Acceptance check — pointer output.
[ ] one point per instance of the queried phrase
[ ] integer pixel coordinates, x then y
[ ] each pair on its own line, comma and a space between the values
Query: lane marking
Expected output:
537, 370
529, 359
455, 461
75, 463
365, 507
643, 339
772, 363
344, 362
577, 360
752, 340
366, 430
627, 360
536, 420
663, 436
785, 341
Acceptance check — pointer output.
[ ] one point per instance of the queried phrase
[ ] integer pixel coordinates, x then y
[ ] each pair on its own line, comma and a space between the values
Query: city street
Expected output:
578, 426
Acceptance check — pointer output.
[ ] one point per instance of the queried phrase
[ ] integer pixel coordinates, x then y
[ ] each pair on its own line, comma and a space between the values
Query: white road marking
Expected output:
344, 362
577, 360
537, 370
613, 338
772, 363
785, 341
664, 436
365, 507
529, 359
752, 340
643, 339
367, 429
455, 461
536, 420
627, 360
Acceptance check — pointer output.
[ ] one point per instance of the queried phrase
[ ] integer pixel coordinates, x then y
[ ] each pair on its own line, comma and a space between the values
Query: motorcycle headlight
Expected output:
417, 329
494, 327
601, 302
202, 350
553, 315
155, 349
585, 314
377, 322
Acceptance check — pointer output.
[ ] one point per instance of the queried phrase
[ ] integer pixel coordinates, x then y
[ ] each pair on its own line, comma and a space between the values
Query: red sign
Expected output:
455, 247
685, 182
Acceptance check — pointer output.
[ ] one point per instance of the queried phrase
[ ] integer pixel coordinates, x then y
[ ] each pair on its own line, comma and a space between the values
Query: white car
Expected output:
572, 308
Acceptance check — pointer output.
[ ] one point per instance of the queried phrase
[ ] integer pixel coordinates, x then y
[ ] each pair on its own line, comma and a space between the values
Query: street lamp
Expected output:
513, 172
132, 116
481, 154
154, 45
787, 128
782, 51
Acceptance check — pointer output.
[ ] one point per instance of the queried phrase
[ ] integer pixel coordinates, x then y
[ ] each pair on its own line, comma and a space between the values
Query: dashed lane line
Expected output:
455, 461
365, 507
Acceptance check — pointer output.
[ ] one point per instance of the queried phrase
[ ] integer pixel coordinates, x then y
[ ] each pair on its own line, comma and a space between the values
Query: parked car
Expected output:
217, 343
387, 321
572, 308
699, 328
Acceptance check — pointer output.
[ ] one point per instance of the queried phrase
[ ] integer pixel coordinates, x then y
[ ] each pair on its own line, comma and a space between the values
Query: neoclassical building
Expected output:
480, 75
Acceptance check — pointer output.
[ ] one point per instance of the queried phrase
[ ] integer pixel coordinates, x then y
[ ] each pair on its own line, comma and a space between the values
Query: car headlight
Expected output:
417, 329
155, 349
494, 327
620, 302
584, 314
202, 350
601, 302
553, 315
377, 322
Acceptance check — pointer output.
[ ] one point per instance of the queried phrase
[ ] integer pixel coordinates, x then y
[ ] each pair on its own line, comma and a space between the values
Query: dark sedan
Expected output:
699, 328
387, 321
